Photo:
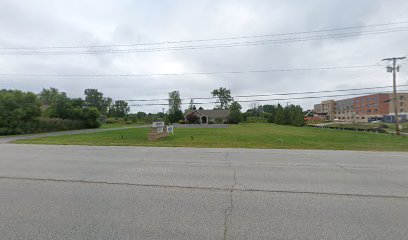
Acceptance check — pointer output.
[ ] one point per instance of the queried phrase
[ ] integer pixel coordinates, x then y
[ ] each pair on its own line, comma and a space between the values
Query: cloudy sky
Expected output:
34, 24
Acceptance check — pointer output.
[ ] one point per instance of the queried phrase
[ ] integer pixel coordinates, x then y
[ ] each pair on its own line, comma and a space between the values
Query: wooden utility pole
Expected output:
394, 69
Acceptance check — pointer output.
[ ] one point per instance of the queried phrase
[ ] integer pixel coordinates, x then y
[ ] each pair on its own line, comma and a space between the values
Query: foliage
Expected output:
175, 116
235, 115
119, 109
94, 98
192, 119
57, 124
73, 109
19, 111
255, 120
191, 106
279, 115
174, 101
224, 97
48, 96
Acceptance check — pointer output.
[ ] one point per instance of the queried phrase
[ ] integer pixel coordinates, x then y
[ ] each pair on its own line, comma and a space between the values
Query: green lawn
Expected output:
251, 135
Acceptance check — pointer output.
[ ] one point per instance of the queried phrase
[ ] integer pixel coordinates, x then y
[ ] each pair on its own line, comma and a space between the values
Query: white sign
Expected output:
158, 124
170, 129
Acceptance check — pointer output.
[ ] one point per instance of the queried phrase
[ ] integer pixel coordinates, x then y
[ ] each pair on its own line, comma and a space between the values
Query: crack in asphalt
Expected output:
228, 210
204, 188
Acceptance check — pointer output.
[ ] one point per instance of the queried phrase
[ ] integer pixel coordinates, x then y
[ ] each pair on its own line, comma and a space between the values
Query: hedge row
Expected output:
45, 125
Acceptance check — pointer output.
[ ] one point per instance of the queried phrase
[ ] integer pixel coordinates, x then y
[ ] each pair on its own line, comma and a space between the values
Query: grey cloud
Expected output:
41, 23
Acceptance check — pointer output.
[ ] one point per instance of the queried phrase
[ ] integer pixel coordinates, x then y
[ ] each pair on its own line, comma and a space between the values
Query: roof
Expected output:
215, 113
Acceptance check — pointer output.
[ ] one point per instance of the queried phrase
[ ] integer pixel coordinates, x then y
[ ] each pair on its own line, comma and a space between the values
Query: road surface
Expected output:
81, 192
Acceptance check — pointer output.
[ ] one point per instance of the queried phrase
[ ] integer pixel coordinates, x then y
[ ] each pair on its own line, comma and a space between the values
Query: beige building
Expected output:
327, 108
344, 110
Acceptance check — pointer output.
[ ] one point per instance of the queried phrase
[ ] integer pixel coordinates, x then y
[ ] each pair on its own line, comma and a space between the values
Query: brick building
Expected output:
363, 108
369, 106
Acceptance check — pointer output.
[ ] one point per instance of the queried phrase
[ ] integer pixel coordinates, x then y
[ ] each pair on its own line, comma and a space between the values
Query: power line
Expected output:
220, 45
274, 99
268, 95
210, 39
189, 73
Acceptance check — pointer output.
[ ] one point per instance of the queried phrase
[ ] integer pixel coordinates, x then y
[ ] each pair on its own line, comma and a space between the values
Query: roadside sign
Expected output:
158, 124
170, 129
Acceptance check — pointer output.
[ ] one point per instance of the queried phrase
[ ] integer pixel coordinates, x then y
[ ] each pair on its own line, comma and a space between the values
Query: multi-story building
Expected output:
371, 106
345, 110
363, 108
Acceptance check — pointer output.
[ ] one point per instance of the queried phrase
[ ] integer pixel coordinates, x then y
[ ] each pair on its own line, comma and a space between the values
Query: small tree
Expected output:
279, 116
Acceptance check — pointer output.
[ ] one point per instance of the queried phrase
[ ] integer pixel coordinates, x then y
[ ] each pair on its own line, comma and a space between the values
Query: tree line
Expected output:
289, 115
52, 110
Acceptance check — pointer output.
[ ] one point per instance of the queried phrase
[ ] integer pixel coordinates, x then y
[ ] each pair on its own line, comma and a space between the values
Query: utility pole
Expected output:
394, 69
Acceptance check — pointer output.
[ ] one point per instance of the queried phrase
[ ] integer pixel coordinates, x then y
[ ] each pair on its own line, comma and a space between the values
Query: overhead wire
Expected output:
275, 99
212, 39
219, 45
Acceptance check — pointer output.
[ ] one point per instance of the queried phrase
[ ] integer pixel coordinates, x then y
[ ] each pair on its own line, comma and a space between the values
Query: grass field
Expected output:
251, 135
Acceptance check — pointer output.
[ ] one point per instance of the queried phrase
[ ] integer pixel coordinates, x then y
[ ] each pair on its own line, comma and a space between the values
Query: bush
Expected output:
181, 121
193, 119
18, 112
219, 120
234, 117
256, 120
57, 124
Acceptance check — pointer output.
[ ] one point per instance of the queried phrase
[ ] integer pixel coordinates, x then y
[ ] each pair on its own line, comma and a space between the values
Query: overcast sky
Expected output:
37, 23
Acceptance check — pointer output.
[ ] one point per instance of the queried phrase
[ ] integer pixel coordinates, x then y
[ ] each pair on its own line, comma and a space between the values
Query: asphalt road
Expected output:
79, 192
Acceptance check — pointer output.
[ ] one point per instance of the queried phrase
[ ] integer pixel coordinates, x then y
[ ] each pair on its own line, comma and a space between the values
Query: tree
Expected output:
94, 98
191, 106
19, 111
280, 115
200, 108
119, 109
175, 116
140, 115
48, 96
297, 117
175, 113
174, 101
270, 110
235, 115
224, 97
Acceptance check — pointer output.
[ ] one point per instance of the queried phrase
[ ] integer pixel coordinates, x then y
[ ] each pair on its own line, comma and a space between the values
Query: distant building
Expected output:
345, 110
362, 108
207, 116
402, 102
326, 109
370, 106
